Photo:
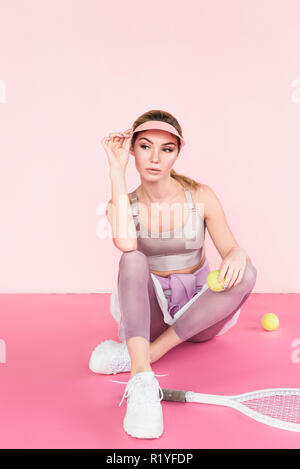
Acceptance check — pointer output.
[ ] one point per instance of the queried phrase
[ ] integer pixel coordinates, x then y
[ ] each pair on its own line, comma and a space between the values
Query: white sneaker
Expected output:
110, 357
144, 417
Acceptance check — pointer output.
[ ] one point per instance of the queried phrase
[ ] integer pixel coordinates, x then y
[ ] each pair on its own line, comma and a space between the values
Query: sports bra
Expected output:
172, 250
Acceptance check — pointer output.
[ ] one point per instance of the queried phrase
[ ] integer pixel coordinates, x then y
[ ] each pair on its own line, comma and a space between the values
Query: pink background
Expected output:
76, 70
71, 72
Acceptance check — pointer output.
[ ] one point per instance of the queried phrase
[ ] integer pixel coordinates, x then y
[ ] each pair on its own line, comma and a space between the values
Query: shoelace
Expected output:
130, 383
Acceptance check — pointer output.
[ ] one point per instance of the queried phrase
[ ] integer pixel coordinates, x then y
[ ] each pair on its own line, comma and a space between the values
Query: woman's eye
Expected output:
147, 146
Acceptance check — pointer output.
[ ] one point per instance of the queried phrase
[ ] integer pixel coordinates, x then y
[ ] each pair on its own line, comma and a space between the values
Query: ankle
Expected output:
153, 355
156, 352
139, 369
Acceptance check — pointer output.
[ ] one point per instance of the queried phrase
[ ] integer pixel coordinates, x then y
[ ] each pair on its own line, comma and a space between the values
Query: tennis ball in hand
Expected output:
213, 282
270, 322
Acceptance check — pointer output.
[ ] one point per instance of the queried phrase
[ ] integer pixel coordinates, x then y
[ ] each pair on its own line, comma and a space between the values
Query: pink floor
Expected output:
50, 399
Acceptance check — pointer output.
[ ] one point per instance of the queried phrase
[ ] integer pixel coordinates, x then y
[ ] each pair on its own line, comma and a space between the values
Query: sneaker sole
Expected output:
143, 432
103, 372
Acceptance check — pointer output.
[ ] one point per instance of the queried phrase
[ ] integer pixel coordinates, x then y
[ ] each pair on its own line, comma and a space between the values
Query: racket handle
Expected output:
173, 395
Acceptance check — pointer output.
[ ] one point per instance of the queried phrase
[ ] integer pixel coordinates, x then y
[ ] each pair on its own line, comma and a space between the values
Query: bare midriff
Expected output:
188, 270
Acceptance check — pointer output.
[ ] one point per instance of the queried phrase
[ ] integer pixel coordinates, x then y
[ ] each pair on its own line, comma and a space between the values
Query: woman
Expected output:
162, 298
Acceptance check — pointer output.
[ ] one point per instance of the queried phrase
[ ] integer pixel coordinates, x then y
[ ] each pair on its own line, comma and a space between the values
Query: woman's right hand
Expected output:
117, 147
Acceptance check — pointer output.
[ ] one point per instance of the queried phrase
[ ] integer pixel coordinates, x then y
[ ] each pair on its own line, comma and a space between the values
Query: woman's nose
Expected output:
155, 156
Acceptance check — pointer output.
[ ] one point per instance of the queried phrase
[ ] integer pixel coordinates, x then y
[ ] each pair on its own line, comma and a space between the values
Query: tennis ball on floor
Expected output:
213, 282
270, 322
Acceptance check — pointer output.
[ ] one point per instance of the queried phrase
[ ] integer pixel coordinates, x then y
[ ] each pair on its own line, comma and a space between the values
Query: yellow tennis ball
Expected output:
270, 322
212, 281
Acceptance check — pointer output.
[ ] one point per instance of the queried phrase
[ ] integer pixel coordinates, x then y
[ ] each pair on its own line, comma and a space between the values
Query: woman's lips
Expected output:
153, 171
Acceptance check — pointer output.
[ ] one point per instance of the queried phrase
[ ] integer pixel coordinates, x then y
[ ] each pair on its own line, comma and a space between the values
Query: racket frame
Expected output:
236, 402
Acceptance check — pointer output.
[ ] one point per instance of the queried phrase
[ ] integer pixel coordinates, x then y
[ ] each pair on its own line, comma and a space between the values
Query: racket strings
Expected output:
282, 407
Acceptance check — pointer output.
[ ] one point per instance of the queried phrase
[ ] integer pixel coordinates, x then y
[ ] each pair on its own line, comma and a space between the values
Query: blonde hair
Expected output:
158, 115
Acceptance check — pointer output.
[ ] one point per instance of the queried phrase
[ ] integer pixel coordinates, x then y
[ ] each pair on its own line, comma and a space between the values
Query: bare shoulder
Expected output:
202, 188
208, 201
198, 196
212, 204
206, 193
199, 191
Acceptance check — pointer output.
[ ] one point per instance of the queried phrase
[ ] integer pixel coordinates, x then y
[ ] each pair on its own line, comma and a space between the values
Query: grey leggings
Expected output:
141, 315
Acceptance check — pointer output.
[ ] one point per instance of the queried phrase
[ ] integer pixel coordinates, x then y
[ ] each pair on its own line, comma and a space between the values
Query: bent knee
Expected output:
249, 277
133, 256
133, 261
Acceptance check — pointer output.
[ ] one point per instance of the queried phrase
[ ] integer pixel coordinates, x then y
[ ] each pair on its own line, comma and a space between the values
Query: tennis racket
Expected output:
278, 407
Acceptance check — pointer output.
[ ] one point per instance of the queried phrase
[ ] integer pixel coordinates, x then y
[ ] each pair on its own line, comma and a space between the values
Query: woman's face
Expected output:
155, 149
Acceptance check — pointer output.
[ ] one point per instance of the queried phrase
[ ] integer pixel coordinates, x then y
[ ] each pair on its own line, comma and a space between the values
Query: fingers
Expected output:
117, 135
118, 138
228, 277
228, 274
222, 274
239, 278
232, 278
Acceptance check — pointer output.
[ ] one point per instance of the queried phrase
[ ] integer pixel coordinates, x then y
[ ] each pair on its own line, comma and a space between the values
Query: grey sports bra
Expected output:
172, 250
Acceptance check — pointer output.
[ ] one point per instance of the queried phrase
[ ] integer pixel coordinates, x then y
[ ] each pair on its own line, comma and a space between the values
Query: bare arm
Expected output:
119, 214
217, 225
118, 211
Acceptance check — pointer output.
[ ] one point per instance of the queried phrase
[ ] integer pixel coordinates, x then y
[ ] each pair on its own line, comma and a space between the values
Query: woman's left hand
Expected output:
233, 267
